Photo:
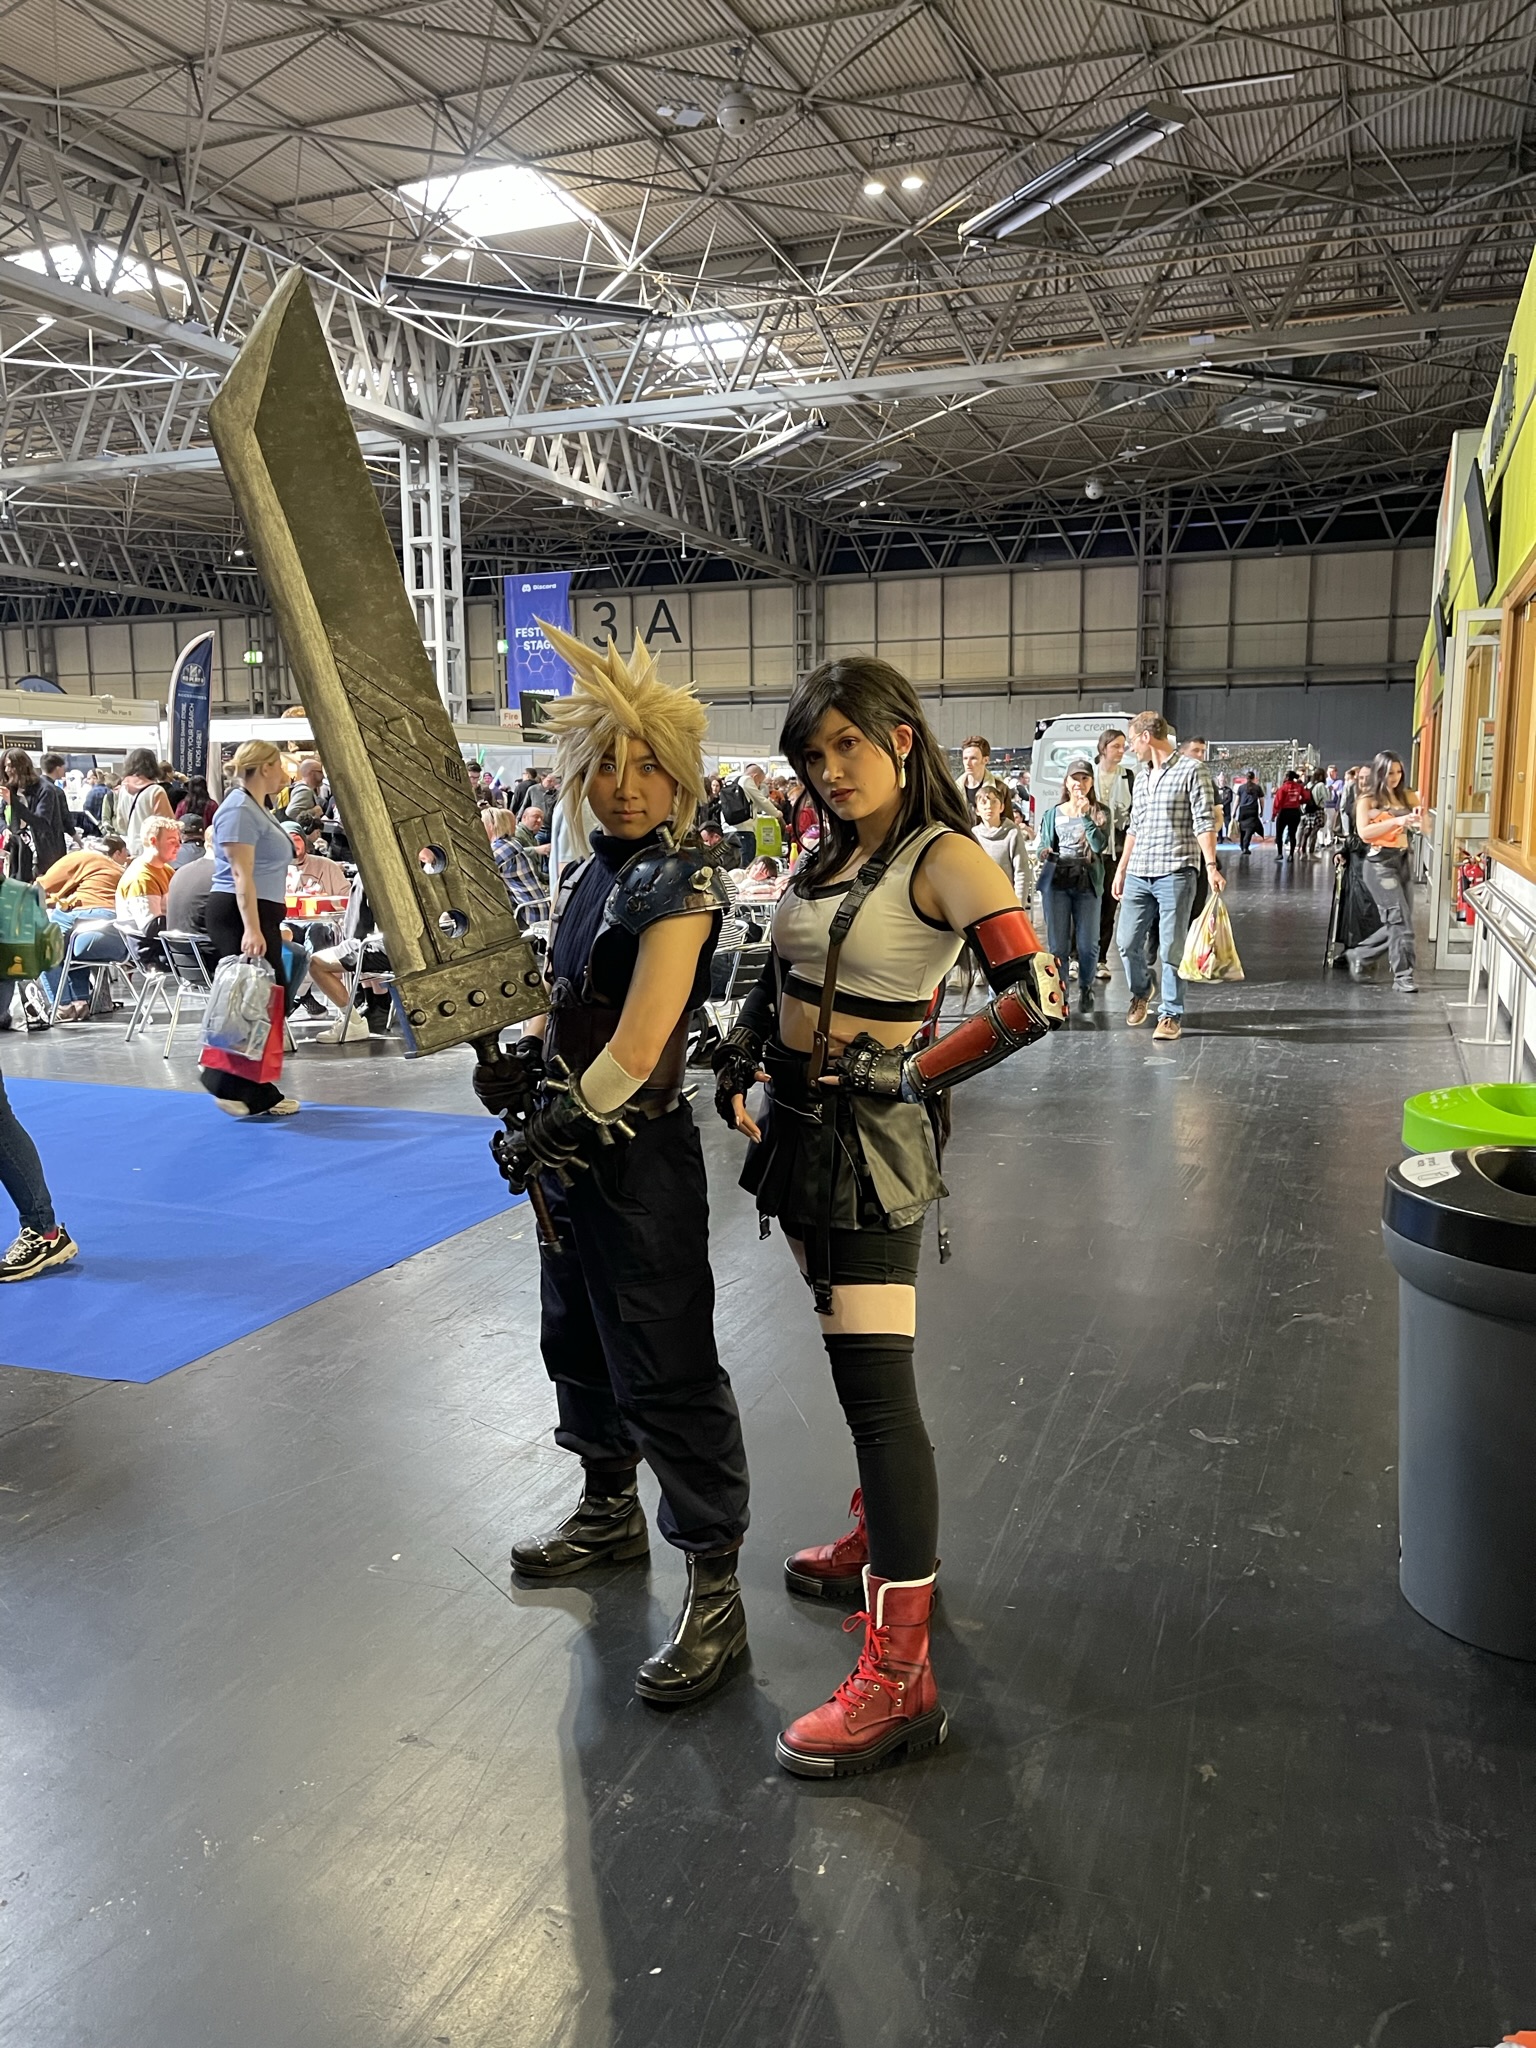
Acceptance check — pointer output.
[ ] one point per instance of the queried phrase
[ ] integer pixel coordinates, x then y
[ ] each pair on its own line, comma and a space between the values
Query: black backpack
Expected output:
735, 805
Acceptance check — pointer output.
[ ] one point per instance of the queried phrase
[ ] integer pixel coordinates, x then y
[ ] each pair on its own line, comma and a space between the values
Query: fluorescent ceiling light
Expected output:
705, 341
873, 188
503, 199
1096, 159
1235, 84
869, 474
685, 116
67, 266
914, 181
1278, 382
809, 430
448, 291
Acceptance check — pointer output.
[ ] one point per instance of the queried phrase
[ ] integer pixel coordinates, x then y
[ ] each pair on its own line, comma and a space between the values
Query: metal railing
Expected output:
1502, 927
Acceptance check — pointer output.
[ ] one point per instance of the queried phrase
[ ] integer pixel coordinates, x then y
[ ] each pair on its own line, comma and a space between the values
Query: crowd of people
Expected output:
1124, 852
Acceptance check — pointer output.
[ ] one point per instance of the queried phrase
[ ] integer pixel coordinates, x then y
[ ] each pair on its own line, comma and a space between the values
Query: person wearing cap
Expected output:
1072, 842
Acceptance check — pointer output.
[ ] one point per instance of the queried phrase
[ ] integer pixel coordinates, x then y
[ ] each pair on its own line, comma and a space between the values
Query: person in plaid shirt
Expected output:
1171, 834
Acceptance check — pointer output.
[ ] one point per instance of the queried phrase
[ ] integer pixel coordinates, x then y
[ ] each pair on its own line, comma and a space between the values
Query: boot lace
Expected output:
847, 1545
868, 1675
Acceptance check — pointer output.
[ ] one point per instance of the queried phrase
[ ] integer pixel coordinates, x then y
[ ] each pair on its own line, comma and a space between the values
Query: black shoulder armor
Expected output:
665, 881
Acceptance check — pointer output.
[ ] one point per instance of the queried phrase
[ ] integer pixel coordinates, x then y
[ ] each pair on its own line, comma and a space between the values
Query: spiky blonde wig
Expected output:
612, 702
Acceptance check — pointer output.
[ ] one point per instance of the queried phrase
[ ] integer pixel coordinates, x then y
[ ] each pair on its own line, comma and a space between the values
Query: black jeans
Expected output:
628, 1331
226, 928
21, 1171
1285, 828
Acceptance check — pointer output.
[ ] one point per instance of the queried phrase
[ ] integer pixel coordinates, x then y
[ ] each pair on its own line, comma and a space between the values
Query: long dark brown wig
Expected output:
1400, 799
876, 698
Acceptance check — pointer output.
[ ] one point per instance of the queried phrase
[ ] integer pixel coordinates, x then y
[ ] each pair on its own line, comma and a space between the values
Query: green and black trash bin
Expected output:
1460, 1227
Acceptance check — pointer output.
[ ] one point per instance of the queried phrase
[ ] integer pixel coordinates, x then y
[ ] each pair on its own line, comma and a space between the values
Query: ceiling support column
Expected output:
433, 562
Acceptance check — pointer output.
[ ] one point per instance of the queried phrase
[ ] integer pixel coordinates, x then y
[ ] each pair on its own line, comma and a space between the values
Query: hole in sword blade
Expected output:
433, 859
453, 924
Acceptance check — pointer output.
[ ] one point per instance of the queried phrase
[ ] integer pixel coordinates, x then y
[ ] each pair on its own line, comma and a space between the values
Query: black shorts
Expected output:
874, 1258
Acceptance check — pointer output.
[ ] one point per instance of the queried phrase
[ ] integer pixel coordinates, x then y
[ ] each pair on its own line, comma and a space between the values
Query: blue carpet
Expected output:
195, 1229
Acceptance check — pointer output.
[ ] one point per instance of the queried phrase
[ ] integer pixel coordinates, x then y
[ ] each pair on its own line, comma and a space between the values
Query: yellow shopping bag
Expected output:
1210, 951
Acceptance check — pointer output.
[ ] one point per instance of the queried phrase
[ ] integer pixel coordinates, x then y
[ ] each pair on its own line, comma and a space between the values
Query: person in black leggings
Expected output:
246, 900
866, 934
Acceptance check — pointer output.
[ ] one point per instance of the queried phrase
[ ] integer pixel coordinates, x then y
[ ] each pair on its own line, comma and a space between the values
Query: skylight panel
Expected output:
67, 265
690, 343
503, 199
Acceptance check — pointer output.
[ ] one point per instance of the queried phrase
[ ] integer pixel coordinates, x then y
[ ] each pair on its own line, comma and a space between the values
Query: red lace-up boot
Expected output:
832, 1571
888, 1705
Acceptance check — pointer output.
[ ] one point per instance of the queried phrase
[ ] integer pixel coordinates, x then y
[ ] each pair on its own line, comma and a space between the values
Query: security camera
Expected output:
1094, 488
736, 112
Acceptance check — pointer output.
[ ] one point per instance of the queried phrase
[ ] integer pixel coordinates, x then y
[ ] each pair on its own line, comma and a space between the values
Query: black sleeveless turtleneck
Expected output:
583, 912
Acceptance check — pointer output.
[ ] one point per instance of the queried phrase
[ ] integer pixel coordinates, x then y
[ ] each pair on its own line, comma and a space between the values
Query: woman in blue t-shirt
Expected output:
246, 899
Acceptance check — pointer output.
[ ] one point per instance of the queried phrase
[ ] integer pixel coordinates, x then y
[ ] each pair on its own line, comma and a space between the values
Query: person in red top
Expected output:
1290, 801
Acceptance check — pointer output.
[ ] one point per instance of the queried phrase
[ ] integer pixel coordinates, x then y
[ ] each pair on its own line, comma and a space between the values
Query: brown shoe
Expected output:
1168, 1027
1137, 1013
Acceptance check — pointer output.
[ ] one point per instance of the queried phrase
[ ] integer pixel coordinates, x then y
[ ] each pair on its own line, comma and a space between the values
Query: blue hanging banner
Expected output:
191, 691
532, 664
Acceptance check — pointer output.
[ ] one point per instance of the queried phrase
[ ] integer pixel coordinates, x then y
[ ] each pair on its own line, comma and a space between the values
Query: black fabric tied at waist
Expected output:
579, 1027
830, 1161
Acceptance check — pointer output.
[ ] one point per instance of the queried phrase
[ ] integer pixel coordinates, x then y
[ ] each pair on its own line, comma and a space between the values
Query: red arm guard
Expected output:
1030, 1001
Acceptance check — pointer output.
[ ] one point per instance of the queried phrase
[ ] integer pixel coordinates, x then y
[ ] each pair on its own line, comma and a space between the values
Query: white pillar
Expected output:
433, 563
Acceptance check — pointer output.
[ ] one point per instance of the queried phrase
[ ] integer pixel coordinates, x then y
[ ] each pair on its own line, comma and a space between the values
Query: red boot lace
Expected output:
854, 1538
867, 1675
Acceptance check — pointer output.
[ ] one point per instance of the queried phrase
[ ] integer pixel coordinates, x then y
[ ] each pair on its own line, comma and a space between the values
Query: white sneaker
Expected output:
230, 1106
351, 1029
287, 1107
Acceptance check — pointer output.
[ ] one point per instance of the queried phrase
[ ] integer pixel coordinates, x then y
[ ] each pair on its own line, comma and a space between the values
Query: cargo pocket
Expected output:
659, 1301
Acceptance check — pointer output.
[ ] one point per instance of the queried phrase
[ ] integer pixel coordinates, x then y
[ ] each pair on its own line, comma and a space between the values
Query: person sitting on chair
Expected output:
141, 892
83, 886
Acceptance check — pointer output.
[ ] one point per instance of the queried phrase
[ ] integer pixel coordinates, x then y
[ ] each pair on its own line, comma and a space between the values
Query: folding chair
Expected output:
108, 956
189, 959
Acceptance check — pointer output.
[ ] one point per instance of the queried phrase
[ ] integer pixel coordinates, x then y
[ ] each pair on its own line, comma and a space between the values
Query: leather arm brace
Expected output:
1029, 1002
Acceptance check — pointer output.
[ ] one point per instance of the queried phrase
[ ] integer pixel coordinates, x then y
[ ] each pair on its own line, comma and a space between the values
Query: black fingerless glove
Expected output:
735, 1060
866, 1067
555, 1139
508, 1084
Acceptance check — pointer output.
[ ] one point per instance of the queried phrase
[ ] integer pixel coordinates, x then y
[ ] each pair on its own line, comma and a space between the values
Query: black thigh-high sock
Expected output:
875, 1382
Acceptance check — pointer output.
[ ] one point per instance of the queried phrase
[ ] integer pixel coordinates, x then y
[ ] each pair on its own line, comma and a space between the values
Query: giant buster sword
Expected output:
462, 968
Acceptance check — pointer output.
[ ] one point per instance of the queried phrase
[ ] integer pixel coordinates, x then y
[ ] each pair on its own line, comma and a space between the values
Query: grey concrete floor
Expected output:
286, 1760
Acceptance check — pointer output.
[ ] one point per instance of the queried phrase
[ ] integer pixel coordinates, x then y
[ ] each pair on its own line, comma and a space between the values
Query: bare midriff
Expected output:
797, 1028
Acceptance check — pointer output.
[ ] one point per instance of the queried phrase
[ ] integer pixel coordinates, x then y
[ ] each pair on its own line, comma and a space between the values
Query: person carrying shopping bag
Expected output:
246, 900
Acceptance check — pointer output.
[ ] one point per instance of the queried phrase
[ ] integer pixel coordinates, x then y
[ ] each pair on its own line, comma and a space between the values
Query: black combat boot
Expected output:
710, 1631
608, 1527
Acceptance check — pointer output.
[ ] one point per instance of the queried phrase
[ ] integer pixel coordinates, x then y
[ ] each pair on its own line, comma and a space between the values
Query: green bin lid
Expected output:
1486, 1113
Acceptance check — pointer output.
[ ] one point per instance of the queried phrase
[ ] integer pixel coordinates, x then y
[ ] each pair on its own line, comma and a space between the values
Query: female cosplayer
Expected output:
594, 1109
864, 937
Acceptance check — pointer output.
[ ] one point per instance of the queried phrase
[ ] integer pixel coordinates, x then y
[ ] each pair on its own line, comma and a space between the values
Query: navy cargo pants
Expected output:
628, 1330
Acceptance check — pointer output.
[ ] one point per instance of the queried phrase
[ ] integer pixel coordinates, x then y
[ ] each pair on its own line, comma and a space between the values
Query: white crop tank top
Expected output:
893, 958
